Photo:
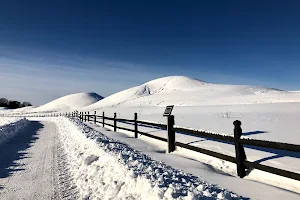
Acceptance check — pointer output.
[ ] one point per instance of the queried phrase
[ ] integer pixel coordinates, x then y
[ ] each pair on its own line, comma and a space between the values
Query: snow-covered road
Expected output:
27, 167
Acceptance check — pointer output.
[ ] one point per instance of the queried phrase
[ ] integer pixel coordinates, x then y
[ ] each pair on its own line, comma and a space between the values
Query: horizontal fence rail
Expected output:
240, 159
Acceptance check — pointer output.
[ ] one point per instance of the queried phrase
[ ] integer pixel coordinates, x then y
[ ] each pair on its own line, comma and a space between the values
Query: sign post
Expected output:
168, 110
170, 125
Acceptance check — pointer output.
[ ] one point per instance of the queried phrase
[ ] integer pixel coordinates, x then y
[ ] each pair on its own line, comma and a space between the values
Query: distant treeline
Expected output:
13, 104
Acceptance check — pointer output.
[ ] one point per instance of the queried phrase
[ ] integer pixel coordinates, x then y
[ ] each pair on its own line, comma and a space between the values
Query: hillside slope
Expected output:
69, 102
185, 91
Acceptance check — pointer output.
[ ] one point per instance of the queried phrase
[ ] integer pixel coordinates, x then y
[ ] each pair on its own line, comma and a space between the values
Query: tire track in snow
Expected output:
64, 185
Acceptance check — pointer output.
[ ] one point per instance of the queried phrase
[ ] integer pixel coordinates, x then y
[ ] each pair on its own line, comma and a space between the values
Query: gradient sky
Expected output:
50, 49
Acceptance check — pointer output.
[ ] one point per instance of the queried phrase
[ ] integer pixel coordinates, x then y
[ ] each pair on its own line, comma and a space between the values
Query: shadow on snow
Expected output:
15, 149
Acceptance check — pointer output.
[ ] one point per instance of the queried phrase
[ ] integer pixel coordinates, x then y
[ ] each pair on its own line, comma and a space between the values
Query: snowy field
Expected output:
265, 113
272, 122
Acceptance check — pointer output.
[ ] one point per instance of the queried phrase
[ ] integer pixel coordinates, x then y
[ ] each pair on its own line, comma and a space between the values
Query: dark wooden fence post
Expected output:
115, 122
88, 116
239, 150
171, 134
135, 126
95, 118
103, 118
85, 116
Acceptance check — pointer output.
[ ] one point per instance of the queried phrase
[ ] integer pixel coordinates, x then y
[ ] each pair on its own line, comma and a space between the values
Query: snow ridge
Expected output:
108, 169
10, 130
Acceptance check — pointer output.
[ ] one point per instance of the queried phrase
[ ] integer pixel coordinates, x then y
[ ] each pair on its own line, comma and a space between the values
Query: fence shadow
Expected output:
15, 148
278, 153
254, 133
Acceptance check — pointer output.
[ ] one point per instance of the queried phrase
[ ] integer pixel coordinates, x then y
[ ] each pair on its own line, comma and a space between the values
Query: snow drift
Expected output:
185, 91
69, 102
10, 130
8, 120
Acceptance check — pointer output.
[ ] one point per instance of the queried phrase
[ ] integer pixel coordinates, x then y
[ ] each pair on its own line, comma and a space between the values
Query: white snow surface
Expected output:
10, 127
206, 167
27, 163
272, 122
69, 102
8, 120
185, 91
105, 168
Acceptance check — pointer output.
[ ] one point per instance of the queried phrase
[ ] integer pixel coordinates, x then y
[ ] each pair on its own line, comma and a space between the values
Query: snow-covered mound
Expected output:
185, 91
11, 129
23, 110
8, 120
69, 102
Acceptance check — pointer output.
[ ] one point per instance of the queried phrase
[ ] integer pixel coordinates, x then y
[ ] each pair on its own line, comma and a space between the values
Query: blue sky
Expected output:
50, 49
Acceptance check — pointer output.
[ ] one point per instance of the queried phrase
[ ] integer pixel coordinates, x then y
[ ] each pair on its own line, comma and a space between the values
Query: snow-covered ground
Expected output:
69, 102
185, 91
108, 169
10, 127
26, 165
273, 122
8, 120
157, 151
72, 161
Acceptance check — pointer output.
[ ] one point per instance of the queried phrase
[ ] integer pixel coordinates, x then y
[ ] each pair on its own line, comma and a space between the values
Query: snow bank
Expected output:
8, 120
108, 169
11, 129
69, 102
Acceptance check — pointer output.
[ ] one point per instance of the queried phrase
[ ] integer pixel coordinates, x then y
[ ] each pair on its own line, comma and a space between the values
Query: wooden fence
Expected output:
240, 159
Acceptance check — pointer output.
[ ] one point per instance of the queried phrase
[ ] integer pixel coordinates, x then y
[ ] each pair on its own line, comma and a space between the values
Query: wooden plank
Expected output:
273, 170
99, 122
109, 124
270, 144
124, 120
126, 129
152, 124
205, 134
153, 136
207, 152
109, 118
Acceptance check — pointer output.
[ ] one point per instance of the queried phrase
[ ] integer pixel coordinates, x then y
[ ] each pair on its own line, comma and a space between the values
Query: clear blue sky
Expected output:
54, 48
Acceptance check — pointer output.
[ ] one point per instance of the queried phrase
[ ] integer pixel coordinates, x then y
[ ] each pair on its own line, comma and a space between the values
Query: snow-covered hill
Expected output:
185, 91
23, 110
69, 102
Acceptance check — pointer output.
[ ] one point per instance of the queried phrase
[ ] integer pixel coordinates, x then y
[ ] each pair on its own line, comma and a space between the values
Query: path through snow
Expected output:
28, 164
